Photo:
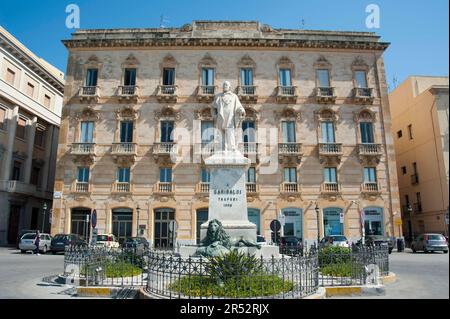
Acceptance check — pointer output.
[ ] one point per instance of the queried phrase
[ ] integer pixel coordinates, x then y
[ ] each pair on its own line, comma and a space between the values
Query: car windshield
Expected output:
61, 237
29, 236
435, 237
339, 238
291, 240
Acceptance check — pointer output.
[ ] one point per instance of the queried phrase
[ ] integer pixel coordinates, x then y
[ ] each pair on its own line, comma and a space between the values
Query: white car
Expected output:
334, 240
27, 242
107, 240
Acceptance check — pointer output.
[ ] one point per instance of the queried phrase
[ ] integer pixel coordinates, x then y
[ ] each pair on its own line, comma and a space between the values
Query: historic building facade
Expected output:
420, 115
136, 119
31, 97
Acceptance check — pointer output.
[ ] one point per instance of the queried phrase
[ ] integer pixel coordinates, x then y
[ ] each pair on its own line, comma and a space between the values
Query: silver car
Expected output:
430, 242
27, 243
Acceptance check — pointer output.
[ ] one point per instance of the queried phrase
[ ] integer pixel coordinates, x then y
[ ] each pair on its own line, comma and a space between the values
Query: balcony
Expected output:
121, 188
124, 151
205, 93
370, 188
288, 150
286, 94
164, 149
83, 151
167, 93
249, 148
202, 188
289, 188
89, 93
247, 93
18, 187
330, 152
417, 207
369, 151
129, 93
325, 95
164, 188
205, 148
328, 188
252, 188
81, 187
363, 95
414, 179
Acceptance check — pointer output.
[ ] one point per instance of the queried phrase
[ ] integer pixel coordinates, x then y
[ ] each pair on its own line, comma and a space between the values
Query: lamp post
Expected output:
318, 229
44, 208
409, 208
137, 220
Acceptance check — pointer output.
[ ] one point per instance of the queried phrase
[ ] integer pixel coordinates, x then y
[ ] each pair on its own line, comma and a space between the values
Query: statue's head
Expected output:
226, 86
216, 232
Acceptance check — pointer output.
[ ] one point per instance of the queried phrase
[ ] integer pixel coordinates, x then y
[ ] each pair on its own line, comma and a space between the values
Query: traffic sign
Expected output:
94, 219
275, 225
398, 222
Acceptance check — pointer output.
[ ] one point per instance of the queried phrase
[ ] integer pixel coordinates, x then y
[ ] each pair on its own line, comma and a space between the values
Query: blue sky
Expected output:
417, 29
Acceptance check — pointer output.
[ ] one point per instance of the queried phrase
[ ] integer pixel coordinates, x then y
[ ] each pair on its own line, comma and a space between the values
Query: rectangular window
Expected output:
399, 134
83, 175
290, 175
87, 132
168, 76
39, 137
30, 89
366, 132
407, 200
2, 119
91, 77
370, 175
285, 77
323, 78
129, 77
330, 175
205, 175
126, 132
403, 170
167, 131
207, 128
410, 131
21, 128
208, 76
16, 171
288, 132
247, 76
34, 180
248, 130
123, 174
327, 132
418, 198
10, 76
165, 175
415, 168
47, 101
251, 175
361, 79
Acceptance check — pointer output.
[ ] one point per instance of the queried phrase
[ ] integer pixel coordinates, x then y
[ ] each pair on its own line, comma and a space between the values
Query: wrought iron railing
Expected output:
325, 91
247, 90
363, 92
286, 90
89, 90
128, 90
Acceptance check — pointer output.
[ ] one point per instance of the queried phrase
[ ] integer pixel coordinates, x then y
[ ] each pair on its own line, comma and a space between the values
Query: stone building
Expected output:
135, 123
420, 115
31, 97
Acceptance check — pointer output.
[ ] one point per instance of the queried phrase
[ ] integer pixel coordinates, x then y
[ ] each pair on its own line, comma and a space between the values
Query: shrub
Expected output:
347, 269
232, 265
334, 255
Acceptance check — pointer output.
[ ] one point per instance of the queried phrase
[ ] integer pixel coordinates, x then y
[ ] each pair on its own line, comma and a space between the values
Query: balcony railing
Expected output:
365, 93
330, 148
205, 148
249, 148
81, 187
124, 148
414, 179
202, 188
164, 188
83, 149
330, 188
164, 148
121, 187
167, 93
128, 90
247, 90
325, 94
17, 187
89, 91
252, 188
288, 149
289, 187
417, 207
370, 187
286, 94
369, 149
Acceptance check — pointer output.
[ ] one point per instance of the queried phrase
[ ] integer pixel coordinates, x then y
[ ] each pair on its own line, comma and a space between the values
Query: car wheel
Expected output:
23, 251
44, 250
414, 249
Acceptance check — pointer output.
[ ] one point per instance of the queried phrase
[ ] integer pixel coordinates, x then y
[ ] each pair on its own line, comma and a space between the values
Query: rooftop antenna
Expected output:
302, 24
395, 81
162, 20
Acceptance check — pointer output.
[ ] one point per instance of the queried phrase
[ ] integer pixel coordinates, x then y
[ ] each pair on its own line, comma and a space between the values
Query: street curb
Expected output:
355, 290
389, 279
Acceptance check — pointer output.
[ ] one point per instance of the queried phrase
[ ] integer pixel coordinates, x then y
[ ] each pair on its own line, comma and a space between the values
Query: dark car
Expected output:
23, 232
379, 240
140, 244
291, 245
429, 243
60, 241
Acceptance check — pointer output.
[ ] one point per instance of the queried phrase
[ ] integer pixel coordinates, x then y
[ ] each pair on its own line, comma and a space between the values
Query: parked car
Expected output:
23, 232
377, 240
60, 241
446, 238
27, 242
260, 240
107, 240
291, 245
334, 240
140, 244
429, 243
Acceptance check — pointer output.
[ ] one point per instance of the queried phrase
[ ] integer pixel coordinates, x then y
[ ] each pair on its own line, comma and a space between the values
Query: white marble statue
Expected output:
228, 113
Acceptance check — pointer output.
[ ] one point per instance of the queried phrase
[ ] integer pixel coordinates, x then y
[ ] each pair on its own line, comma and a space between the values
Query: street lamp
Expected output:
318, 229
409, 208
44, 208
137, 220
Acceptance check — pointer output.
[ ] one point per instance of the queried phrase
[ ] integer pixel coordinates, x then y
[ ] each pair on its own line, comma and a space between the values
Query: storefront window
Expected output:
373, 223
332, 221
293, 225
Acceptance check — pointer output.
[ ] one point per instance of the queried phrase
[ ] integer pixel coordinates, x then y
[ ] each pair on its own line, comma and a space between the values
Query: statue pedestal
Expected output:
227, 195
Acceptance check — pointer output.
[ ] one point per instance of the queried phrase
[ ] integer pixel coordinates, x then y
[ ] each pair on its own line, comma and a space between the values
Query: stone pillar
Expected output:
30, 147
48, 153
12, 125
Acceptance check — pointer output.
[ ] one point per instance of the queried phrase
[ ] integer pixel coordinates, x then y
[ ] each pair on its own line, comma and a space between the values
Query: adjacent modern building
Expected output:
136, 128
420, 116
31, 96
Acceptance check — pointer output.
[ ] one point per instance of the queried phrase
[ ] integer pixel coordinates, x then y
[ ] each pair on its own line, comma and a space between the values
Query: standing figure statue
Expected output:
228, 113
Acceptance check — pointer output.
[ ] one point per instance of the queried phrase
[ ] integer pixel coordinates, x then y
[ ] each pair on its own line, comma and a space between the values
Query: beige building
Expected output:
420, 116
136, 114
31, 97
